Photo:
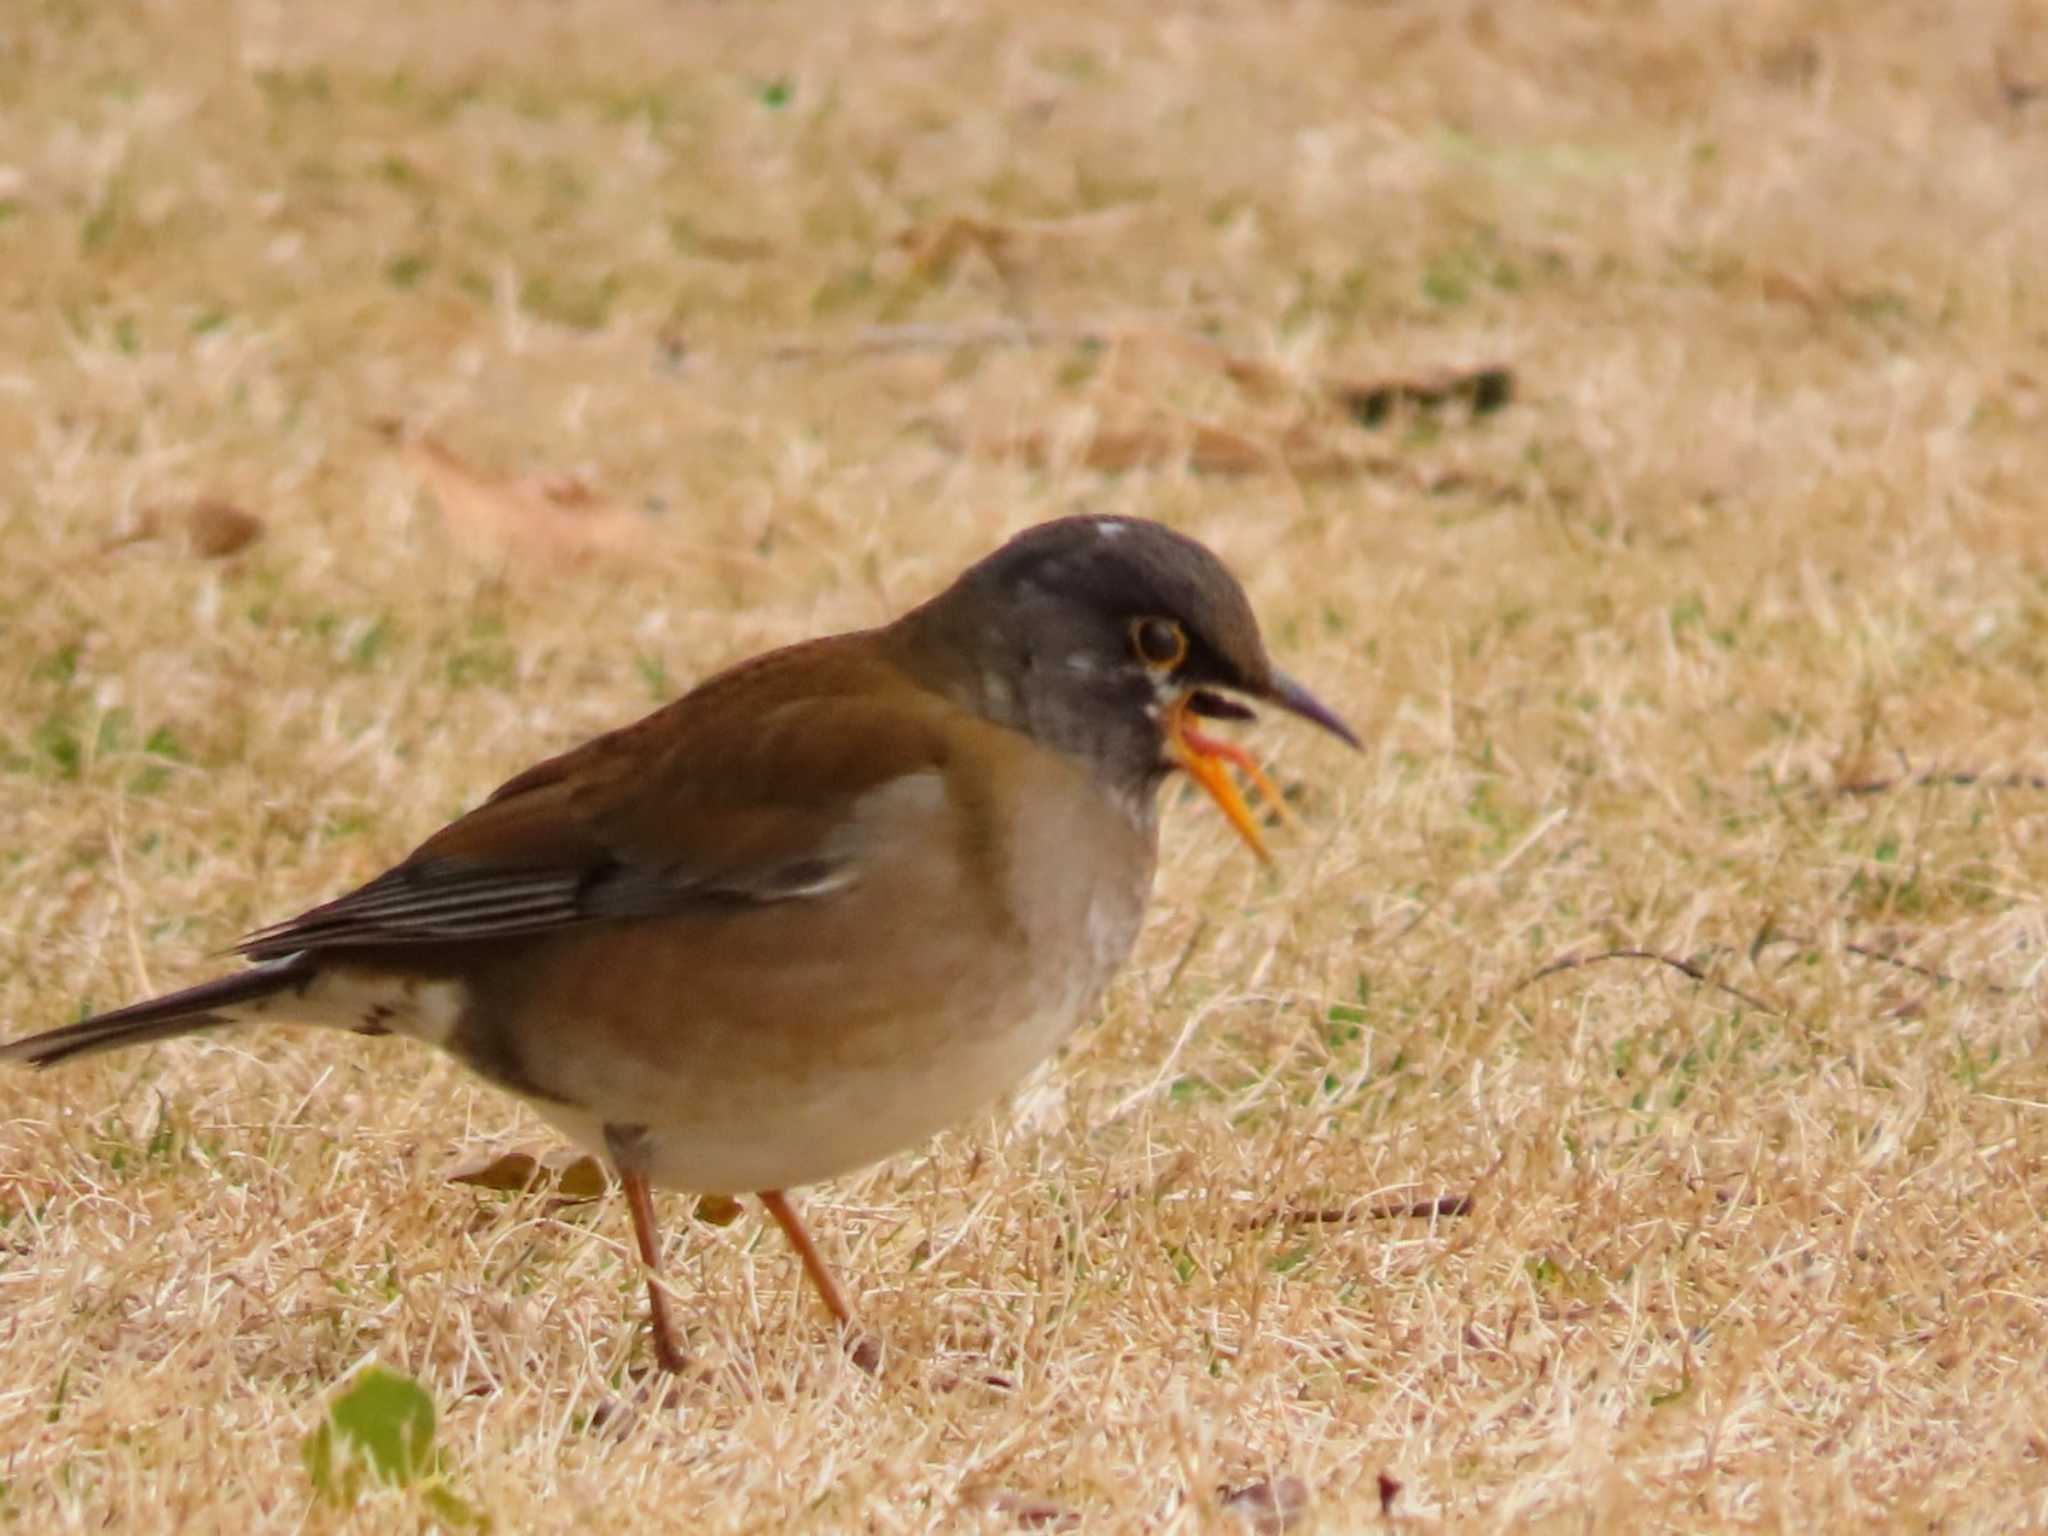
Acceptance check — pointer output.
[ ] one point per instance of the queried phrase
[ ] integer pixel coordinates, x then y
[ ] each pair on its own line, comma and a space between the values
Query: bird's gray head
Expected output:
1107, 638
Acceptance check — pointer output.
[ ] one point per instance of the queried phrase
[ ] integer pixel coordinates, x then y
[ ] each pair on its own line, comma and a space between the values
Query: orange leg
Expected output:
865, 1352
814, 1264
641, 1202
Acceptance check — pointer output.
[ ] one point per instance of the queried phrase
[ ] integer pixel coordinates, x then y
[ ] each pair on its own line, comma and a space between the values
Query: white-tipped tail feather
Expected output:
293, 988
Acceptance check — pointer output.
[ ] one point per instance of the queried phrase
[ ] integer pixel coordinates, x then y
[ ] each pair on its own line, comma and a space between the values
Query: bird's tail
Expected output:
209, 1004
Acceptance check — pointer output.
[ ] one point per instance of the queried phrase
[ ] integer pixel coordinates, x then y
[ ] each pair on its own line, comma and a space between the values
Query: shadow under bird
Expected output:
827, 902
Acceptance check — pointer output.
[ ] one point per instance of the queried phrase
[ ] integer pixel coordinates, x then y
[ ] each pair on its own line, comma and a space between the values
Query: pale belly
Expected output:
733, 1136
736, 1110
744, 1092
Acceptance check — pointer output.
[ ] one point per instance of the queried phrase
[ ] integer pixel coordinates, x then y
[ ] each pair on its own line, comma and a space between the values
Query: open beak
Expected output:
1208, 761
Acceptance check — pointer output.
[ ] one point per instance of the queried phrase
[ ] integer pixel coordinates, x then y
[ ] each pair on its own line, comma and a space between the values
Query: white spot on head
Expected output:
1082, 663
1110, 528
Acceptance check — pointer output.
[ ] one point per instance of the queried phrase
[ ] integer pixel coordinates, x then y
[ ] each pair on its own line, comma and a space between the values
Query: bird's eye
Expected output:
1159, 643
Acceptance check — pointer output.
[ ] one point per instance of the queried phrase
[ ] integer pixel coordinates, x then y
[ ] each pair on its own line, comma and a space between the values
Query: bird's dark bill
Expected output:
1209, 761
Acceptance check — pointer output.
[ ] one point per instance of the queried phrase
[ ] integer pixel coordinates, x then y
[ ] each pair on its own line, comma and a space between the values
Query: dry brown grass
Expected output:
1766, 524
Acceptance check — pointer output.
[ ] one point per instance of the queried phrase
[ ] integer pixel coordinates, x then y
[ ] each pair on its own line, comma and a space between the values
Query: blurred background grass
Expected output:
390, 395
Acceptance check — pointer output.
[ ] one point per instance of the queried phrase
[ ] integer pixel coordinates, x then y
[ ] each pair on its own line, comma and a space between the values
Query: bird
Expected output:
828, 901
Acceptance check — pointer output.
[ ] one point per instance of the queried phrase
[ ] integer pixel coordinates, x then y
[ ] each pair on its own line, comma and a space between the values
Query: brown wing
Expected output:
730, 794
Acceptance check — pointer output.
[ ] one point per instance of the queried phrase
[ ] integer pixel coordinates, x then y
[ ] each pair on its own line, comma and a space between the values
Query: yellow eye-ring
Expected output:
1159, 643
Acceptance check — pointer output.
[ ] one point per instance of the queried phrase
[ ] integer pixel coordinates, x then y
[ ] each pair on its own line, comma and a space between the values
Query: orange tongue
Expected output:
1204, 758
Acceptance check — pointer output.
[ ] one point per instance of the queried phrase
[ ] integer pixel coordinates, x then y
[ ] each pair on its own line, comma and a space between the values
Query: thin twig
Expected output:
934, 338
1369, 402
1180, 966
1334, 1215
1892, 958
1959, 778
1868, 953
1677, 963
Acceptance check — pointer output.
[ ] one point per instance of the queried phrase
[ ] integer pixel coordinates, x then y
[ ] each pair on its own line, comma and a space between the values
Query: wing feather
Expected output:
739, 792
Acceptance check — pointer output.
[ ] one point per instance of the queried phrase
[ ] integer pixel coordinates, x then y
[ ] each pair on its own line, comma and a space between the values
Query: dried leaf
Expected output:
1370, 401
1031, 1512
1783, 288
1270, 1507
216, 529
934, 249
865, 1351
575, 1175
570, 1174
717, 1210
542, 518
209, 528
